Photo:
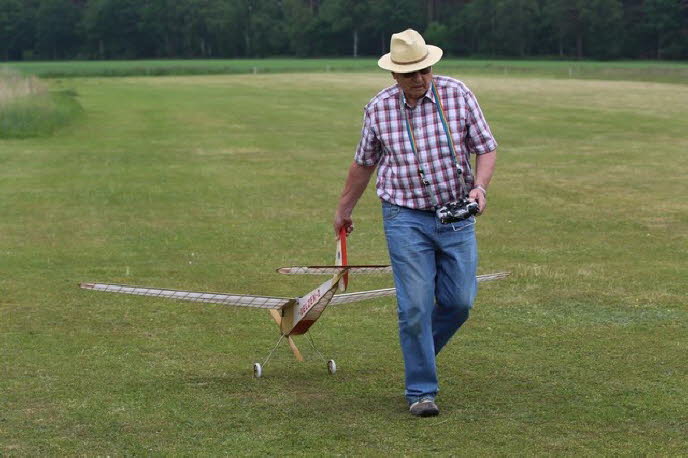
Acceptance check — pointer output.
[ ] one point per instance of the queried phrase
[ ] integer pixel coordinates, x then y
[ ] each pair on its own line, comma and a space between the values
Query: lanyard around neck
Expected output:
447, 132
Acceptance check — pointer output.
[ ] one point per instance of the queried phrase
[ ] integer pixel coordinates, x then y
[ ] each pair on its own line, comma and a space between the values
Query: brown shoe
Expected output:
424, 408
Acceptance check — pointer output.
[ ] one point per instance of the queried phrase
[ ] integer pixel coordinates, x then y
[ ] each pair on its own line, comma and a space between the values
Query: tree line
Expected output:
132, 29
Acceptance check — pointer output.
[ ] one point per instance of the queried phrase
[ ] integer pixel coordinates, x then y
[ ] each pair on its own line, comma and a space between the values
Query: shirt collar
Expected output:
428, 95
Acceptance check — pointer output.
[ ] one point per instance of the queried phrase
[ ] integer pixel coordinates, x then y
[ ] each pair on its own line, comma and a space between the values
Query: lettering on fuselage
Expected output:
316, 299
309, 302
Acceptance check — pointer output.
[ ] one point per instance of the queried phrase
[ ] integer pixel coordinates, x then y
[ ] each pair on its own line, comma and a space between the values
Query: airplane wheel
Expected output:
331, 366
257, 370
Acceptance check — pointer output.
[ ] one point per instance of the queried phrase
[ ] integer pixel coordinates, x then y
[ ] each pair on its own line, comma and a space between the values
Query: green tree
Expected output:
663, 22
112, 28
267, 28
589, 27
10, 13
564, 18
225, 28
390, 16
199, 39
516, 26
478, 25
162, 27
57, 29
602, 21
107, 29
438, 34
302, 27
348, 18
635, 33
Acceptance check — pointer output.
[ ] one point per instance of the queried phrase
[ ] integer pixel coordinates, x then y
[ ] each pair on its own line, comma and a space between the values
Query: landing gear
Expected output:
258, 367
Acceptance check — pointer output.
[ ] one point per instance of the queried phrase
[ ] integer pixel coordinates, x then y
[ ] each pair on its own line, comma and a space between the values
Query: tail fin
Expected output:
340, 259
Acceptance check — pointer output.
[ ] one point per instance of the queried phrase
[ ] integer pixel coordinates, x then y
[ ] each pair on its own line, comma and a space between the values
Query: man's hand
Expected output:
342, 222
477, 195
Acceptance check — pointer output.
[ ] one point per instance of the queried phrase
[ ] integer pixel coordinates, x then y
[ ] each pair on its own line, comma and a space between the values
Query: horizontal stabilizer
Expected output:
334, 270
239, 300
364, 295
347, 298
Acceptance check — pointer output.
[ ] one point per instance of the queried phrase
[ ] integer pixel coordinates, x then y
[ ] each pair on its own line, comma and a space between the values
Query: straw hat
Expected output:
409, 53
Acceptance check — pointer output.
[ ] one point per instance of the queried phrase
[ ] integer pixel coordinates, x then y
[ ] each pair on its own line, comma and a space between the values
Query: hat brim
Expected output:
434, 56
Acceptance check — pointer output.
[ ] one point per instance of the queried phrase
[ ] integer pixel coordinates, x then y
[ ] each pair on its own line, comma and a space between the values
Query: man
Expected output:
421, 146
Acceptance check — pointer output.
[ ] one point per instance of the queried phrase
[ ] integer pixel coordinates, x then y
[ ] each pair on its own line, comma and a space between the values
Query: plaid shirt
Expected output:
385, 142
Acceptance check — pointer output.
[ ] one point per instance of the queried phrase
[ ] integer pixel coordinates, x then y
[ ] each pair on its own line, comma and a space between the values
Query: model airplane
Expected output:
294, 316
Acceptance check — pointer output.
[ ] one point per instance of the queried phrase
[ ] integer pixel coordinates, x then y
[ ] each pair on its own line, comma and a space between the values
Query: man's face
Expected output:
414, 84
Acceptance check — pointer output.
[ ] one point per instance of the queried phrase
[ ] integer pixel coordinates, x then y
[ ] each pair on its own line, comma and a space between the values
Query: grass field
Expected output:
211, 182
653, 71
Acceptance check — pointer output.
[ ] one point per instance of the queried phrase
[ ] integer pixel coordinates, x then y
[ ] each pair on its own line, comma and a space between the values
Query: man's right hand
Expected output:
342, 222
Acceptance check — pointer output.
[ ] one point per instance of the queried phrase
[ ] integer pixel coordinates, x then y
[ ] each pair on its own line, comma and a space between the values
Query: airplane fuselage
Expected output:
299, 315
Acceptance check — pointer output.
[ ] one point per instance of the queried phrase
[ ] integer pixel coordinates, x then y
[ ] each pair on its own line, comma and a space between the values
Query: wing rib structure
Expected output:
239, 300
263, 302
348, 298
334, 270
492, 277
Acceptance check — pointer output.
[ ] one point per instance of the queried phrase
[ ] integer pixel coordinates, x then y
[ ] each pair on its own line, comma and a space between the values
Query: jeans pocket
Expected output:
465, 225
389, 211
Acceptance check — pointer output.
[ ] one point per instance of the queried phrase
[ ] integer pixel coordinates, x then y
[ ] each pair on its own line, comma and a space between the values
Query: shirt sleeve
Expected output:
479, 139
369, 148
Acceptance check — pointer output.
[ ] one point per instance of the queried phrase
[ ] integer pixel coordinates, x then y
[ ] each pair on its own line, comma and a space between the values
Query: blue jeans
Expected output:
434, 267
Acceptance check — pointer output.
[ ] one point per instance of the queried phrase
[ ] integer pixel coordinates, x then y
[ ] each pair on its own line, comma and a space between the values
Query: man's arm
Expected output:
484, 168
356, 183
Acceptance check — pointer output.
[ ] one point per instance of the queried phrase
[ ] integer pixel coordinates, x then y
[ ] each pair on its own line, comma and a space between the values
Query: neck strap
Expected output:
447, 132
